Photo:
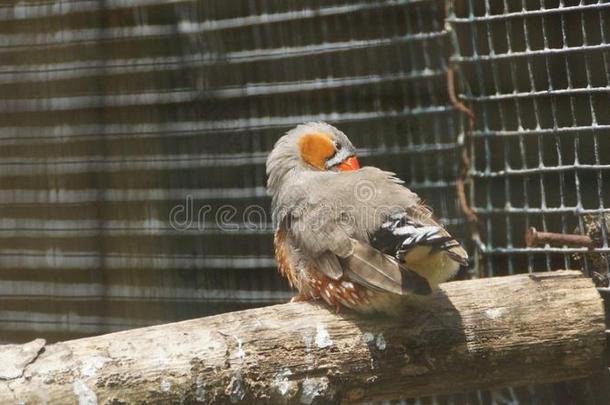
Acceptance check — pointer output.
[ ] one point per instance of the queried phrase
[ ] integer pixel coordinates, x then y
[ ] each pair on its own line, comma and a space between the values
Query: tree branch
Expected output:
471, 334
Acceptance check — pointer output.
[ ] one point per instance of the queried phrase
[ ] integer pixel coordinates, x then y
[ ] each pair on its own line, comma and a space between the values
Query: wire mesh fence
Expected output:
117, 113
537, 77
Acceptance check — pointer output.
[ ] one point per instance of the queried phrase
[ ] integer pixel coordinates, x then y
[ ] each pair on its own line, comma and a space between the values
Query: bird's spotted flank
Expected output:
337, 293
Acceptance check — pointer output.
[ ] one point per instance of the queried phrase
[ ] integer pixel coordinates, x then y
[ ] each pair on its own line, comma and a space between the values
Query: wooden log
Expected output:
471, 334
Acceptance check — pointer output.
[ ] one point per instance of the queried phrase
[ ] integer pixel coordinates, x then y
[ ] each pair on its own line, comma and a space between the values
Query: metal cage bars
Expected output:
541, 99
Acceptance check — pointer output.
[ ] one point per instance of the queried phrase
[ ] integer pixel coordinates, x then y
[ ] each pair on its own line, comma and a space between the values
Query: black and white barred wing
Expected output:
412, 236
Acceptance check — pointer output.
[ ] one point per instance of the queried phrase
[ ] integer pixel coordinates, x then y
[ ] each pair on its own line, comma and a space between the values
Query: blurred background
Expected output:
133, 136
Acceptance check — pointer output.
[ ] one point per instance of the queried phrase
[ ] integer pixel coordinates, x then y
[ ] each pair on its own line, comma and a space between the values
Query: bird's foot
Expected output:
301, 297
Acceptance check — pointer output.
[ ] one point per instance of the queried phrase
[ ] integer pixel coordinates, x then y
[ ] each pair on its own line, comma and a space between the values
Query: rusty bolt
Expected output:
535, 238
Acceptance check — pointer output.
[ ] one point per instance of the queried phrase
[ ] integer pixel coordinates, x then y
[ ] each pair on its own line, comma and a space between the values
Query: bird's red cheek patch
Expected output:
316, 148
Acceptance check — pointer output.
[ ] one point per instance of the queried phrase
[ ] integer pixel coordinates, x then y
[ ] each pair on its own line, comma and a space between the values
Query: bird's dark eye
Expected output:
338, 146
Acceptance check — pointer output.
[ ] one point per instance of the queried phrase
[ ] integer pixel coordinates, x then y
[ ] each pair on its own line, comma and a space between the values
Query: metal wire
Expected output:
536, 75
538, 80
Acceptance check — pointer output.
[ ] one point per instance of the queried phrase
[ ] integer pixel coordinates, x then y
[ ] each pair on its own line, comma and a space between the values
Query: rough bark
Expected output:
471, 334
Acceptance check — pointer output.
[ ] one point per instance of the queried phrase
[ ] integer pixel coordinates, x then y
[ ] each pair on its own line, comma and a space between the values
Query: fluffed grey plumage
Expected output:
331, 219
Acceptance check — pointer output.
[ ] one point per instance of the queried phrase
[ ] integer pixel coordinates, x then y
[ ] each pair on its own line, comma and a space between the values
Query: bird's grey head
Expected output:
314, 146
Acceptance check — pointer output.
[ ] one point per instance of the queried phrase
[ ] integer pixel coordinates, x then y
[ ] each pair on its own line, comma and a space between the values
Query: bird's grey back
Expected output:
359, 201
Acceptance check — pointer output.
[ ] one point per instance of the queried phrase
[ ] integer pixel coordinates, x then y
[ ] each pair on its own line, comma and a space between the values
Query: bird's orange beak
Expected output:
351, 163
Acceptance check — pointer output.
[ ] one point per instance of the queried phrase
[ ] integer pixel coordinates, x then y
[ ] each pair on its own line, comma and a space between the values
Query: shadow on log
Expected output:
471, 334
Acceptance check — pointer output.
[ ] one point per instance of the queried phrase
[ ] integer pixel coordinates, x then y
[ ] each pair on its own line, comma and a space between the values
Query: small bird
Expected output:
355, 237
